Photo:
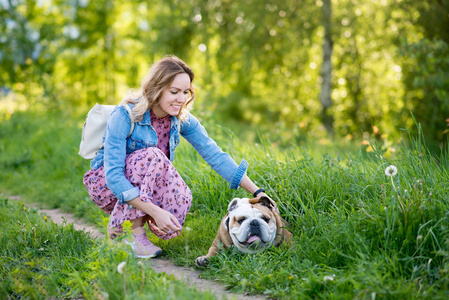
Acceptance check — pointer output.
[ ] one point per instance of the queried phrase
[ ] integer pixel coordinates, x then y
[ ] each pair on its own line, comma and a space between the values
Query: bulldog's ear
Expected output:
265, 201
234, 204
227, 223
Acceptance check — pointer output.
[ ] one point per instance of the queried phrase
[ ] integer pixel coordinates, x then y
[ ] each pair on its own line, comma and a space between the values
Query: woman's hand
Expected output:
164, 220
249, 186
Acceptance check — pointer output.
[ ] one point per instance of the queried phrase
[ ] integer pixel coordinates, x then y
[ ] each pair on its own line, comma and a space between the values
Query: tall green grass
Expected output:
358, 233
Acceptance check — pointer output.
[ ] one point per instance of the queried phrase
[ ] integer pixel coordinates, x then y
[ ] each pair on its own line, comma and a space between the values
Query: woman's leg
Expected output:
101, 195
160, 183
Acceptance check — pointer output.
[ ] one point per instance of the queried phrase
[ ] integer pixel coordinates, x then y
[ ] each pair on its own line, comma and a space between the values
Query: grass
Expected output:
358, 232
41, 260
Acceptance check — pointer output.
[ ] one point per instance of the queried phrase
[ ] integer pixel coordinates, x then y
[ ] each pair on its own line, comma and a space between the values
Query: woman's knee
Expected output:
155, 152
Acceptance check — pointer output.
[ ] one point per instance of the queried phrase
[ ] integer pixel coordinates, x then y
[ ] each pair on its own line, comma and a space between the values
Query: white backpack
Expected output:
94, 128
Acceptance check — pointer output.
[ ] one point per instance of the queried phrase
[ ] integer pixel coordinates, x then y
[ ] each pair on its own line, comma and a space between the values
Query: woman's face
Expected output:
174, 96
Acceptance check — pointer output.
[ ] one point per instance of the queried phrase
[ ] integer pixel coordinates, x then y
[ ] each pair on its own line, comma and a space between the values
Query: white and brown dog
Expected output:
251, 225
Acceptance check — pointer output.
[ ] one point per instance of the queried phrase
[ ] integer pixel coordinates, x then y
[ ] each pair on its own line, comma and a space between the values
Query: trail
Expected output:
189, 275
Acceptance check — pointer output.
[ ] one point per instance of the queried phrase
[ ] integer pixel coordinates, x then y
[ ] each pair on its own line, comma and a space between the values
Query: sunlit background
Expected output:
257, 63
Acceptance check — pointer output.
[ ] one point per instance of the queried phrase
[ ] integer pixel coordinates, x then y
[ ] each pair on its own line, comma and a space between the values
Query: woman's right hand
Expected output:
165, 221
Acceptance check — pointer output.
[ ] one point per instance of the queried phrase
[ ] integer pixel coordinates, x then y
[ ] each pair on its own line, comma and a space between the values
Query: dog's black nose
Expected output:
254, 223
254, 228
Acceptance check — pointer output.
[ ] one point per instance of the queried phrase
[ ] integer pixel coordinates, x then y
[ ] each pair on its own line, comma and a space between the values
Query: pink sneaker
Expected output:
143, 247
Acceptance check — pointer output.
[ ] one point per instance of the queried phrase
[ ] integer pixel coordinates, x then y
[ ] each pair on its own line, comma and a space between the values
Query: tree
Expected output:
326, 68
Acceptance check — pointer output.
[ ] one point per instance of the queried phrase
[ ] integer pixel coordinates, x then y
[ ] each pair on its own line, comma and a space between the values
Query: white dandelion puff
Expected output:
391, 171
329, 277
121, 267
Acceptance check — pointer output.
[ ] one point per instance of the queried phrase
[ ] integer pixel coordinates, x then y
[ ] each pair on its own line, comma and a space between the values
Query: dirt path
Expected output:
188, 275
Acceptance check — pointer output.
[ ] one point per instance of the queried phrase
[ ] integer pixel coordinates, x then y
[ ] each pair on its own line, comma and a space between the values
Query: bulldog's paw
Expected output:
201, 261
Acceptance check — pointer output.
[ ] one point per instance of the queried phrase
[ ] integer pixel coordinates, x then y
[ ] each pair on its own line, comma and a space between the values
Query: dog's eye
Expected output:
241, 220
266, 219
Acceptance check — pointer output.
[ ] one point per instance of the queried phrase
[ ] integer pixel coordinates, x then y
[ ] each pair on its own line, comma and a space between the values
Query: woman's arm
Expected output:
220, 161
117, 131
249, 186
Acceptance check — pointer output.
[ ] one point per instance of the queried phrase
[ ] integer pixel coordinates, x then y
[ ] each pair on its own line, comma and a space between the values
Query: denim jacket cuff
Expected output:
239, 174
130, 194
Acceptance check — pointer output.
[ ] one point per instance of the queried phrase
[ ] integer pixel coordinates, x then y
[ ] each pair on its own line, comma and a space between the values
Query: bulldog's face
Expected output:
252, 227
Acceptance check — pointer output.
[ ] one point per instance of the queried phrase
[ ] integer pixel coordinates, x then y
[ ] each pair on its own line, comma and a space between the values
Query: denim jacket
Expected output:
117, 145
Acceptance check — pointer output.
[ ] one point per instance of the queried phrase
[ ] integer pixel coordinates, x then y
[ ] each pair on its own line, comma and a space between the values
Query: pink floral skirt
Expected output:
158, 181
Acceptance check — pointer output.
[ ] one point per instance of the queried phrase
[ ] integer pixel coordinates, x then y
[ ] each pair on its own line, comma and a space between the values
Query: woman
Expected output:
132, 177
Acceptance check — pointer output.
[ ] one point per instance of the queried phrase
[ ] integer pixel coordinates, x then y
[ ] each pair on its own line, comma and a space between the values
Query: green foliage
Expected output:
256, 62
429, 84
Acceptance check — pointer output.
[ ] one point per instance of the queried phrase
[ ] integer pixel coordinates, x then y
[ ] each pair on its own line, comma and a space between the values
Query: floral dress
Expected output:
159, 182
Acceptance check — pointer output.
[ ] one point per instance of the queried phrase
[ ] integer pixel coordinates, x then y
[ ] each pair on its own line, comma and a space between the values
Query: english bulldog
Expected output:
251, 225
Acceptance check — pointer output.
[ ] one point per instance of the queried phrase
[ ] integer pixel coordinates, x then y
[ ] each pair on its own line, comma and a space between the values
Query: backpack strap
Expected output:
131, 116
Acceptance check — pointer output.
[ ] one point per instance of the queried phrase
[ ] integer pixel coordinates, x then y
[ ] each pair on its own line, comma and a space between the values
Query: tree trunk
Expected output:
326, 69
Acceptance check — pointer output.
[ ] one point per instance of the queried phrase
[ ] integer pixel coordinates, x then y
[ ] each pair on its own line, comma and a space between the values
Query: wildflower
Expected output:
391, 171
45, 218
329, 277
121, 267
24, 208
375, 129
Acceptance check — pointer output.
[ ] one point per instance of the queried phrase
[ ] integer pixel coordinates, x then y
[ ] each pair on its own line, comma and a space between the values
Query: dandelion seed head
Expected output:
391, 171
121, 267
329, 277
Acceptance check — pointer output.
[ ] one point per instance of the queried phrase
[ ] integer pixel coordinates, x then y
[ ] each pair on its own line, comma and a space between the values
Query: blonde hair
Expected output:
156, 82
